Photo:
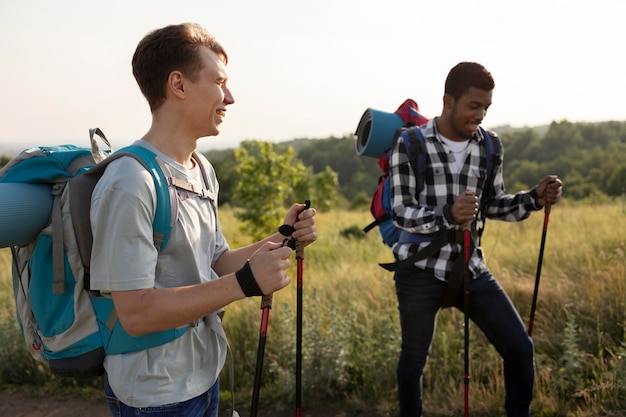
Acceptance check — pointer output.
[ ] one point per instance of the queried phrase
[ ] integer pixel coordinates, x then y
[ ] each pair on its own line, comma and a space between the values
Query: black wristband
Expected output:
247, 282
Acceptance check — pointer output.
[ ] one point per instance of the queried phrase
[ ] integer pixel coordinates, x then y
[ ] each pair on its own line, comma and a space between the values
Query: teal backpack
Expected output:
64, 323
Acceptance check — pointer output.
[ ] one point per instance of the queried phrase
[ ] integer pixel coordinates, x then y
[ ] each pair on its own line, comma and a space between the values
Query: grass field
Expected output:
351, 327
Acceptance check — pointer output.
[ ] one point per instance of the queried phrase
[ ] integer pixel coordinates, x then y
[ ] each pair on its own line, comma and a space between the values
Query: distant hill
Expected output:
540, 129
13, 148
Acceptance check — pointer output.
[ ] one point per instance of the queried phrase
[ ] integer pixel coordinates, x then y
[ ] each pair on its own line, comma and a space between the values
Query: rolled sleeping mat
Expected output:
24, 212
375, 132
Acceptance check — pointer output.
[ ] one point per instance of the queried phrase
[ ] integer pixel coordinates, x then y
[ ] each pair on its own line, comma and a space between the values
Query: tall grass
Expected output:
351, 328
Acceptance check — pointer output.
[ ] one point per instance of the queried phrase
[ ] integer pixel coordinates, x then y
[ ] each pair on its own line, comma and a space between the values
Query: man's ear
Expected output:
176, 84
448, 100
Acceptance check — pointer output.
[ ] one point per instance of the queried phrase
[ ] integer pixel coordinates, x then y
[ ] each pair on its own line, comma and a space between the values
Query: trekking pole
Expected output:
300, 265
466, 294
287, 230
266, 305
546, 217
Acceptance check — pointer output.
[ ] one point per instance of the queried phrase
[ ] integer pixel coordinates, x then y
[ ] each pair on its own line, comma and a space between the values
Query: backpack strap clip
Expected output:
184, 185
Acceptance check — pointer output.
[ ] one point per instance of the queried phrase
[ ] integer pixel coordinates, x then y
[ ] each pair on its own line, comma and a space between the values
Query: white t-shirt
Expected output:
125, 258
458, 151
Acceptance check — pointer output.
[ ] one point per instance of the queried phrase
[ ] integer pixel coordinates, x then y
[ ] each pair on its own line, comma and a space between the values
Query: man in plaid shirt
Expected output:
454, 181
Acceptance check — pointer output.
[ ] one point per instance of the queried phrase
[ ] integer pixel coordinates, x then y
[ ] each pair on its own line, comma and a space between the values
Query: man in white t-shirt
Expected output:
180, 70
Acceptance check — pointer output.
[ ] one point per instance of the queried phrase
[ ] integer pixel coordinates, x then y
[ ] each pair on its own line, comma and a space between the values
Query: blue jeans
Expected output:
420, 297
204, 405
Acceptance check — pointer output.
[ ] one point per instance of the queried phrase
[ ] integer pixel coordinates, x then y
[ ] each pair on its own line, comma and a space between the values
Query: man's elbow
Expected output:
134, 325
130, 313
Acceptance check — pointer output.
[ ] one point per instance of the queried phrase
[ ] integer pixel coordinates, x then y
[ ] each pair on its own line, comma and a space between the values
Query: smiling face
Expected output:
467, 96
462, 116
207, 95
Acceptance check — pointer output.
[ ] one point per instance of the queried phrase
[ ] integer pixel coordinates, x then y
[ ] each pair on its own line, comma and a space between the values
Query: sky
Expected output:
309, 69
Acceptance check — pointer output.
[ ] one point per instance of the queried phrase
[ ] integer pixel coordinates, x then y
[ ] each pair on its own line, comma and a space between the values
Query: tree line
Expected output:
590, 158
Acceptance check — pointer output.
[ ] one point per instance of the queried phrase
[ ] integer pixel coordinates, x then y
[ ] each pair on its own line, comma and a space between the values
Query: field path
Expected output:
23, 404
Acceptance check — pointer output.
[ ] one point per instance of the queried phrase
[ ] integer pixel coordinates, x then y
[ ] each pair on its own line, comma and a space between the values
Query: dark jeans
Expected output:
420, 298
204, 405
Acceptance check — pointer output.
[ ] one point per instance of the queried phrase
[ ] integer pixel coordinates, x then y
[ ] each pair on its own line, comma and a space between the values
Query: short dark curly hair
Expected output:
465, 75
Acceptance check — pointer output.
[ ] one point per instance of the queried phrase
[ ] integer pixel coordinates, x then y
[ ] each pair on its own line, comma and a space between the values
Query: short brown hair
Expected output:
465, 75
167, 49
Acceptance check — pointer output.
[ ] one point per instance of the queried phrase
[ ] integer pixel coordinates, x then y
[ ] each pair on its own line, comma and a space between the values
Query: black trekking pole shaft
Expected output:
533, 308
300, 267
466, 299
266, 305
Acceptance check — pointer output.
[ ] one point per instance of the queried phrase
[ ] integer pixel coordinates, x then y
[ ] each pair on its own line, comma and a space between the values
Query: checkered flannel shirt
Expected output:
425, 213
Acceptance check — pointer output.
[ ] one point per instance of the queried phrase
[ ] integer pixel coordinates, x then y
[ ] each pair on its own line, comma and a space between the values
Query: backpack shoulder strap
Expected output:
493, 146
81, 190
416, 153
167, 207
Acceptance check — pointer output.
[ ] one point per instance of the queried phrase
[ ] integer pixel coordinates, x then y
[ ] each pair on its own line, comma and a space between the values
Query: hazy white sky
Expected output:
309, 68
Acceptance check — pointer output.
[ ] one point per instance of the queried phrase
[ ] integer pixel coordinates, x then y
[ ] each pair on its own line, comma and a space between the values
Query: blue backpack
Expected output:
64, 323
381, 202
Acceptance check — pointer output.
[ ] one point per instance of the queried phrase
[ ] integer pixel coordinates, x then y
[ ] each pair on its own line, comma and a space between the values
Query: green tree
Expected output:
617, 182
560, 138
354, 173
225, 164
266, 181
518, 145
527, 173
324, 189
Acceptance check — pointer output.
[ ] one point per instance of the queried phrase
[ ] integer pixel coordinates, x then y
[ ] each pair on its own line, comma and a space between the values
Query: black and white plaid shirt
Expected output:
424, 214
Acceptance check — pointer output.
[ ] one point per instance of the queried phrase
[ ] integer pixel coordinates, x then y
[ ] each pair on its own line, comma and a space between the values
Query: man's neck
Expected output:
444, 127
172, 143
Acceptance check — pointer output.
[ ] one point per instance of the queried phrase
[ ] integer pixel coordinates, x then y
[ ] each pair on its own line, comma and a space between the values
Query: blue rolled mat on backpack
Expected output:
24, 212
375, 132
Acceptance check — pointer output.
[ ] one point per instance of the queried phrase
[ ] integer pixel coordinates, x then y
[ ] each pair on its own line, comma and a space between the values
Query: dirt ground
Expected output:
24, 404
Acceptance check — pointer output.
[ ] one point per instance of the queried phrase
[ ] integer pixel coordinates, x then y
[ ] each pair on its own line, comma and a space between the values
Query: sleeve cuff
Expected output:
447, 216
534, 197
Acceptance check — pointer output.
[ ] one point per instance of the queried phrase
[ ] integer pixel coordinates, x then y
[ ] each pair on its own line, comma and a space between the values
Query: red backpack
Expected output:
381, 200
409, 121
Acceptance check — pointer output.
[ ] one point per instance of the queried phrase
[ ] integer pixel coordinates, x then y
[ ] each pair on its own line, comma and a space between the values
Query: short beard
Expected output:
455, 128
